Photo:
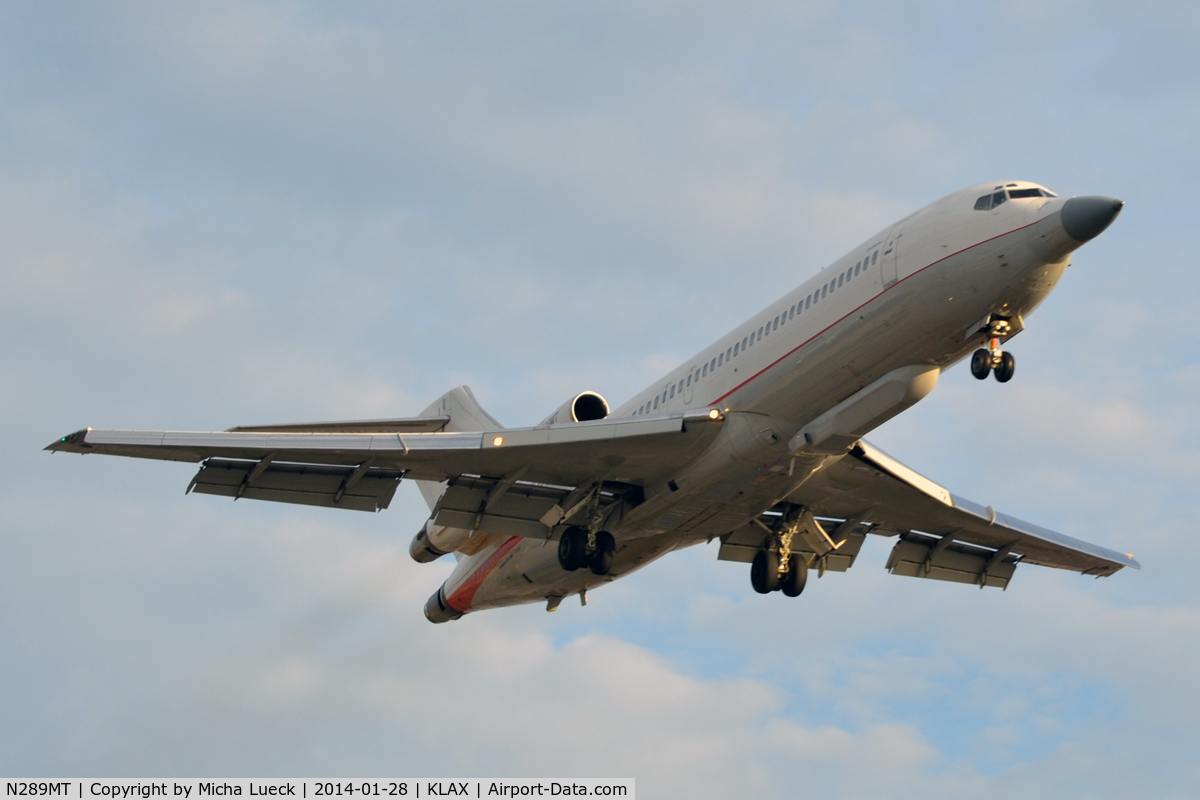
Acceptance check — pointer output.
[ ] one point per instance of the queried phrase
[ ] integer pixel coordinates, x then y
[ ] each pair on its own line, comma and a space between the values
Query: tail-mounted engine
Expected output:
583, 407
434, 541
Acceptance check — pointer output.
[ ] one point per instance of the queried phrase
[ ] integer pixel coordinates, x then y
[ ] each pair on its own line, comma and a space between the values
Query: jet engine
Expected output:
434, 541
583, 407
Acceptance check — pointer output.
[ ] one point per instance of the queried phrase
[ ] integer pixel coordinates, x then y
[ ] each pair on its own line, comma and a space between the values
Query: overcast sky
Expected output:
234, 213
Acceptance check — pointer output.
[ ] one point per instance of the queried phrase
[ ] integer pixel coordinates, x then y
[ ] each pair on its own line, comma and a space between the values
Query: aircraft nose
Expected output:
1085, 218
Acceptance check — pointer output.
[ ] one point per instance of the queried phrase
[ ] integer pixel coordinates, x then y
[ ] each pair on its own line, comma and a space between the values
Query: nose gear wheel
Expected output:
992, 359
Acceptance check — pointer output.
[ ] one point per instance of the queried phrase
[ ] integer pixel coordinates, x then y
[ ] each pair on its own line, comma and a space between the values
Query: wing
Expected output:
941, 536
520, 474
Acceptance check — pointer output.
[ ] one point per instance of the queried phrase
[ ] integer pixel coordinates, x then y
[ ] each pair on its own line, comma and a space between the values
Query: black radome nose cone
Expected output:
1085, 218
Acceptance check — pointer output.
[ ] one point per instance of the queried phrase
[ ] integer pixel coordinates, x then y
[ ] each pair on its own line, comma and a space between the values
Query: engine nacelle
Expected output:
434, 541
438, 610
583, 407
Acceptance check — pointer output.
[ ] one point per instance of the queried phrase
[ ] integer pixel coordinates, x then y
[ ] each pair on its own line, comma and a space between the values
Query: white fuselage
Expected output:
907, 296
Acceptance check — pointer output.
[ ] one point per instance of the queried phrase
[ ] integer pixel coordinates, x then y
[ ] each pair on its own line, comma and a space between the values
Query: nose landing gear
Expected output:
992, 358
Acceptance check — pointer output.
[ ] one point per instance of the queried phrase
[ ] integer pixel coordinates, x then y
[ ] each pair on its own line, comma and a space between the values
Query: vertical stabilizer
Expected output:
465, 414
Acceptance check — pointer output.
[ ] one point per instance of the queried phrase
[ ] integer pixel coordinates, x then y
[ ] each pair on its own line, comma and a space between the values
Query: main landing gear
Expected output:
992, 358
577, 548
777, 568
771, 573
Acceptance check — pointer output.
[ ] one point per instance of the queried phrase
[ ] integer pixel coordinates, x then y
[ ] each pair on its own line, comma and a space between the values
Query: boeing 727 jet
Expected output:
757, 440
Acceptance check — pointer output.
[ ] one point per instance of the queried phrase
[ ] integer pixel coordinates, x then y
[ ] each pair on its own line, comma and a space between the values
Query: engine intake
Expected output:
583, 407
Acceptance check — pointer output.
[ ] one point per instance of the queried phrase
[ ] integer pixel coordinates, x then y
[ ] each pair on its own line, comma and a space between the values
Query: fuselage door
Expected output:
888, 259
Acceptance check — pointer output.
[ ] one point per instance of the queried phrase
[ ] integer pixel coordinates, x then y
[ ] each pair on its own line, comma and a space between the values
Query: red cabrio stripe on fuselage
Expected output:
460, 601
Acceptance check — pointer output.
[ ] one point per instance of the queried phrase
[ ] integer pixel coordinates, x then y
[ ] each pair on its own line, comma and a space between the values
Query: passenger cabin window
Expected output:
656, 402
840, 279
874, 256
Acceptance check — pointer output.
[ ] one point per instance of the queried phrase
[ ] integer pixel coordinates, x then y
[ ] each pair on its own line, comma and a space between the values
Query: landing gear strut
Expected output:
992, 358
577, 548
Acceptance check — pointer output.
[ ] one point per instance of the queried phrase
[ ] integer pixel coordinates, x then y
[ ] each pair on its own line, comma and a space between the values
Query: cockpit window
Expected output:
990, 201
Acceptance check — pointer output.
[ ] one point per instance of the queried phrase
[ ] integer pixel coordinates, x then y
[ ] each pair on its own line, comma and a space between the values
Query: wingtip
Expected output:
71, 443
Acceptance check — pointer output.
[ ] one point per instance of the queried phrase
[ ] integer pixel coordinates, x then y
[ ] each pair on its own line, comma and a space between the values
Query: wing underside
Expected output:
524, 481
510, 478
940, 535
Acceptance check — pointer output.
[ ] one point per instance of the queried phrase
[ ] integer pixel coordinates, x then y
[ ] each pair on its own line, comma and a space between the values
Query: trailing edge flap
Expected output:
870, 485
367, 489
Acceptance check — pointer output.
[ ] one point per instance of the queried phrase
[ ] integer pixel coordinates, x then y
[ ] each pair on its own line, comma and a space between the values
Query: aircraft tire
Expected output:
764, 572
572, 549
1008, 365
601, 561
793, 583
981, 363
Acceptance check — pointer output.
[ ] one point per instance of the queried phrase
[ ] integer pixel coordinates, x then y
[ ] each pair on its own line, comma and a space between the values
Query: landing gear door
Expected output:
889, 258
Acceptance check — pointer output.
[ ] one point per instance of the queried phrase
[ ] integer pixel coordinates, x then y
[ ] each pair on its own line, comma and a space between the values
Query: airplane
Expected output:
757, 440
